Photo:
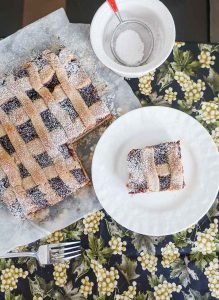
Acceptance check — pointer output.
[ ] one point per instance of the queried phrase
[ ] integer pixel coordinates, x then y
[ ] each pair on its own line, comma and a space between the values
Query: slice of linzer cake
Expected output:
155, 168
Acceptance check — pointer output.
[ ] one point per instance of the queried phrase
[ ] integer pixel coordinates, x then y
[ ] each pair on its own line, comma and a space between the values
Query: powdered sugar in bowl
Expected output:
151, 12
122, 46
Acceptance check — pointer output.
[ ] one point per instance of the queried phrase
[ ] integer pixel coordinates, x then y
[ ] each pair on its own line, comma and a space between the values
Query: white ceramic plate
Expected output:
164, 212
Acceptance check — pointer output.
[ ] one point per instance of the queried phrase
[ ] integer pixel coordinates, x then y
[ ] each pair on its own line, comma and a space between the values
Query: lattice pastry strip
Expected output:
23, 180
80, 80
21, 150
50, 146
11, 171
65, 105
53, 100
155, 168
10, 166
76, 75
6, 193
84, 87
45, 106
45, 137
38, 197
75, 97
46, 83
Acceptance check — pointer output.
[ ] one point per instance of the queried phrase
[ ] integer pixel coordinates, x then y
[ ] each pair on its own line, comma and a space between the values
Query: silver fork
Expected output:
51, 253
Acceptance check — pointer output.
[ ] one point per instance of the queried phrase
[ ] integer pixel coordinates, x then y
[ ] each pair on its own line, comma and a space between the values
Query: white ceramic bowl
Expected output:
153, 13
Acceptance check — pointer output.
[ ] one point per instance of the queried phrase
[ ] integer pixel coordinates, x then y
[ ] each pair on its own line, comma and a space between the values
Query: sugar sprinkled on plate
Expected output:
130, 47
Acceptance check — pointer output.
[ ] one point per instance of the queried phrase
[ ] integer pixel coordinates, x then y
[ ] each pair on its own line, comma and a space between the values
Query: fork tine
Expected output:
65, 258
63, 244
62, 255
64, 249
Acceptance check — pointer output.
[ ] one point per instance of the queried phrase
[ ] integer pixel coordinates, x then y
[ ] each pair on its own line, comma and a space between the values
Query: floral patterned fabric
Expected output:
122, 265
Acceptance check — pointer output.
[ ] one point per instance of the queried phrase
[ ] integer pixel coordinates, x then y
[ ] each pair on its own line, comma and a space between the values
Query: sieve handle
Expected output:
114, 7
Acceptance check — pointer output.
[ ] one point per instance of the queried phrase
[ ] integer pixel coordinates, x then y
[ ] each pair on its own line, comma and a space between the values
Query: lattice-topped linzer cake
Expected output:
45, 106
155, 168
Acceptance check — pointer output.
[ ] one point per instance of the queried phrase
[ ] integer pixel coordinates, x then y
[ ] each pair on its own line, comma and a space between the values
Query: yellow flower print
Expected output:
117, 245
212, 273
170, 95
21, 248
179, 44
106, 280
193, 90
183, 80
129, 294
60, 273
209, 112
86, 287
37, 297
206, 60
145, 83
216, 99
55, 237
205, 242
170, 254
92, 222
215, 136
190, 229
148, 261
164, 290
9, 278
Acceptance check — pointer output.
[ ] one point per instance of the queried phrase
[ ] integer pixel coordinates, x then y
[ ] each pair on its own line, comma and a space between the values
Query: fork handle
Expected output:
19, 254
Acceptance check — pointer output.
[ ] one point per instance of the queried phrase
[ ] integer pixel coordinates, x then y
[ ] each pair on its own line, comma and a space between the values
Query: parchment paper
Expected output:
20, 47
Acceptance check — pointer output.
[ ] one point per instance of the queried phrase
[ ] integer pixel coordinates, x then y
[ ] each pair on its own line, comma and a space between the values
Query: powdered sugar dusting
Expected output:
145, 170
